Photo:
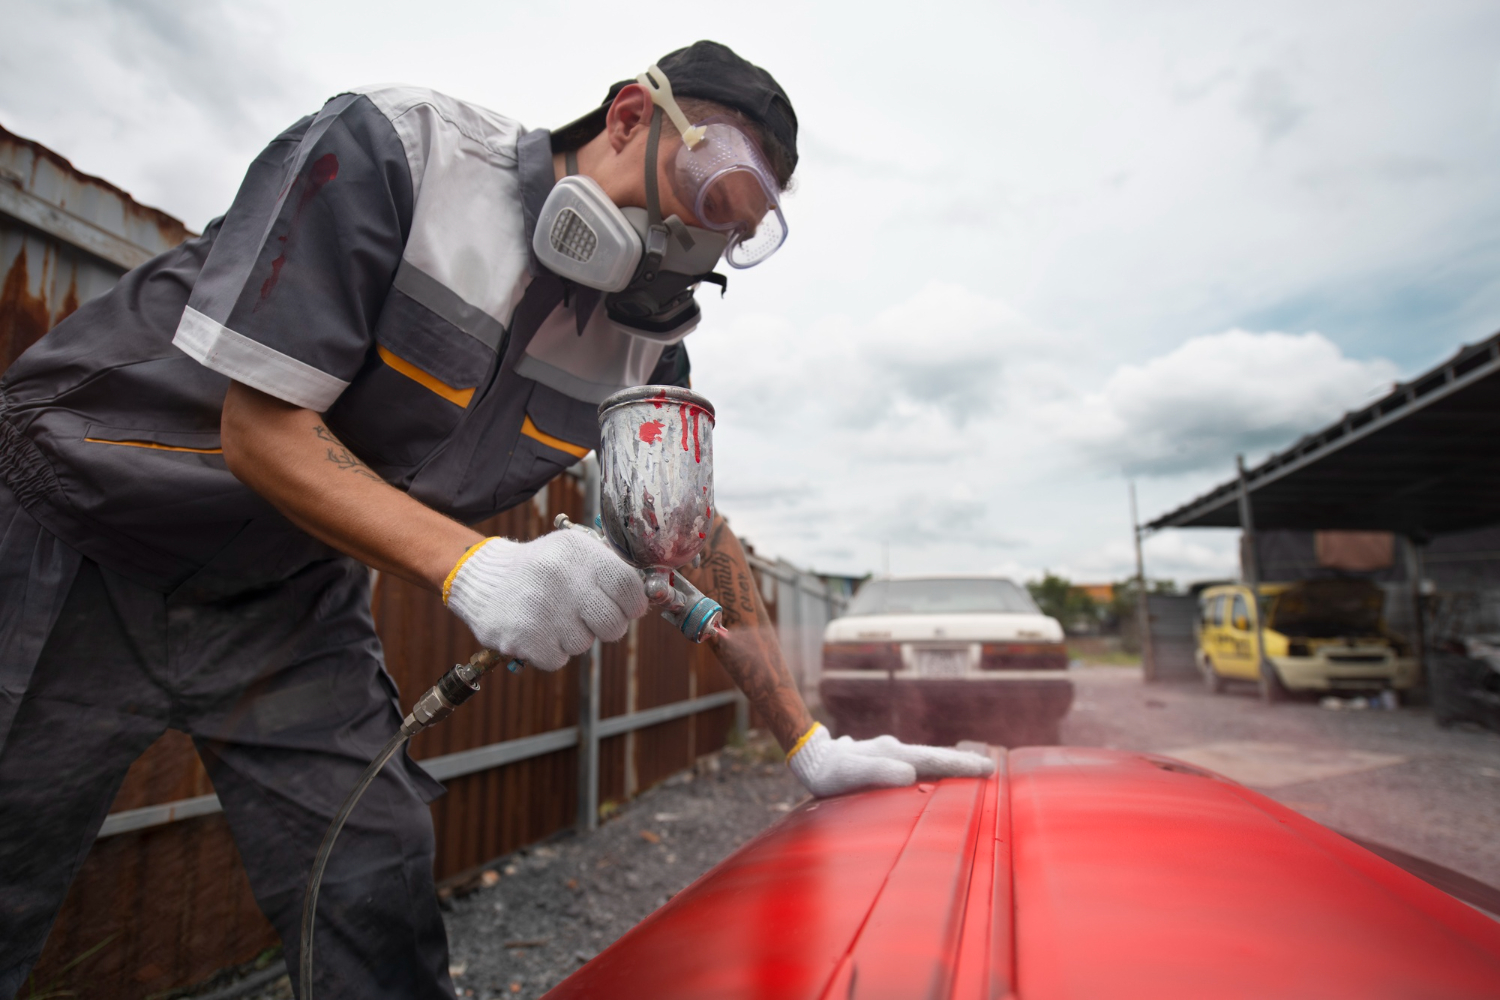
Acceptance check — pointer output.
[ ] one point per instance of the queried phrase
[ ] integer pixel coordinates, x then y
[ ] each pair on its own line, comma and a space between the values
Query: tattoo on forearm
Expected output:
752, 654
342, 457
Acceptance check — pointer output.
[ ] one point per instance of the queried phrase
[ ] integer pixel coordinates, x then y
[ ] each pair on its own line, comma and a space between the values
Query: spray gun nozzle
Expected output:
684, 605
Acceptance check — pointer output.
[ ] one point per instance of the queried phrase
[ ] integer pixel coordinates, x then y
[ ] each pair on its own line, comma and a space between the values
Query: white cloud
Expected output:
1221, 395
167, 100
1270, 104
985, 442
1011, 265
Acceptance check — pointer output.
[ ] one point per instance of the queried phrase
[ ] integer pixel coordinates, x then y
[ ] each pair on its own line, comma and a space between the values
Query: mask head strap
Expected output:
656, 232
653, 199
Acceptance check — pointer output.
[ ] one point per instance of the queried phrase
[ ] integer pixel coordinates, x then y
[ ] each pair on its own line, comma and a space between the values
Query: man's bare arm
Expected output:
289, 456
751, 654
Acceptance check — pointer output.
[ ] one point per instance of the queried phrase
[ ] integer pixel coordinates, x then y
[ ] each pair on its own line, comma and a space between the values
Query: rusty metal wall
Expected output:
169, 905
65, 237
180, 932
200, 916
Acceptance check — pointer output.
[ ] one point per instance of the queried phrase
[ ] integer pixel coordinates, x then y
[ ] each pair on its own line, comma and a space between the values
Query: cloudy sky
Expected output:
1035, 247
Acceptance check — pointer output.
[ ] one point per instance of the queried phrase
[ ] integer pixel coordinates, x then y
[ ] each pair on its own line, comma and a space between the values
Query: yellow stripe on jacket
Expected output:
158, 447
458, 397
534, 432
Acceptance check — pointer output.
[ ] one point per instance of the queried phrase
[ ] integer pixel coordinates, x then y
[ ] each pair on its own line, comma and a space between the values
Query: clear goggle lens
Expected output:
731, 188
749, 249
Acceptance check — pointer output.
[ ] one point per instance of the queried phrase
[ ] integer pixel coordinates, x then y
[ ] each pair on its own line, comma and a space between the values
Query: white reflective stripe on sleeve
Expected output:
215, 346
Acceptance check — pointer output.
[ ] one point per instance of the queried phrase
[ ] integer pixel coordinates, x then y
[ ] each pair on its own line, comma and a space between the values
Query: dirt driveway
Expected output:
1392, 777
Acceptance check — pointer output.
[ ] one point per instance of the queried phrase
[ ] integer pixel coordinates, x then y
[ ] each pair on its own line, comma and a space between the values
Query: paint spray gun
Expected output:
656, 507
656, 499
656, 496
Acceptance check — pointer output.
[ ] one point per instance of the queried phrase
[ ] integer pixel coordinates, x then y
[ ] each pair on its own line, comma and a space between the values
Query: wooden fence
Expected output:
163, 889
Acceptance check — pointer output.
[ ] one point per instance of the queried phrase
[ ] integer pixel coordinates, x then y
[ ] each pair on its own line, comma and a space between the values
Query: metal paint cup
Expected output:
656, 480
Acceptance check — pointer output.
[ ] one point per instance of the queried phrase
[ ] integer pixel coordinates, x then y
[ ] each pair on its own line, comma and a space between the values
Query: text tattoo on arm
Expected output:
734, 588
342, 457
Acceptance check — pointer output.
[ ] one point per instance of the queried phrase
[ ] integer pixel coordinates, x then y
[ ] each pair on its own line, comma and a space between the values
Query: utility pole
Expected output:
1250, 571
1415, 571
1249, 558
1143, 613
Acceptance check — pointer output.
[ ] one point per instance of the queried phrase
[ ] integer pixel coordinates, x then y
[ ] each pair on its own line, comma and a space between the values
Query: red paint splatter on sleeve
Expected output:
270, 283
324, 169
651, 431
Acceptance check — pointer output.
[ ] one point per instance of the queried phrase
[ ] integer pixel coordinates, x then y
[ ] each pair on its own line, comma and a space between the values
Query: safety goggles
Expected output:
721, 173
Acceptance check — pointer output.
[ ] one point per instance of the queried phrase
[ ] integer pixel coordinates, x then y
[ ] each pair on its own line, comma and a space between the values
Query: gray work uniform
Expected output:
374, 267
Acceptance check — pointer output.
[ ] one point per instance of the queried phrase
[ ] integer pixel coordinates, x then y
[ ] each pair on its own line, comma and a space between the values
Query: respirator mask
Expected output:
650, 266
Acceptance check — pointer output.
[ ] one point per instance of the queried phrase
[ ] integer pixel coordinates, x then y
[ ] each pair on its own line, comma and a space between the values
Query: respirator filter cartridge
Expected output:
582, 236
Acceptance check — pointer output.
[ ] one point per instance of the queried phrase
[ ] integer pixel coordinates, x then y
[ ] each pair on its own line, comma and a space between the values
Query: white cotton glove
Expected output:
545, 600
828, 766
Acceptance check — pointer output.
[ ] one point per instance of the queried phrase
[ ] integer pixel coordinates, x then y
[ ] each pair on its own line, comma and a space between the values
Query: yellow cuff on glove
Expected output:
448, 581
802, 740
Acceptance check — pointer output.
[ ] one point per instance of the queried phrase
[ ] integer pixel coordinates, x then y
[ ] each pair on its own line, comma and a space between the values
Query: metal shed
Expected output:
1420, 462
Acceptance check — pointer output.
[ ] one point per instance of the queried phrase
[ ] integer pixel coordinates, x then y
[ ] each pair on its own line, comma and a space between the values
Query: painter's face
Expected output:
736, 197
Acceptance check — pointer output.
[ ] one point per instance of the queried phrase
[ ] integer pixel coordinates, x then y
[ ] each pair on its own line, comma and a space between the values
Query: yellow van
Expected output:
1320, 636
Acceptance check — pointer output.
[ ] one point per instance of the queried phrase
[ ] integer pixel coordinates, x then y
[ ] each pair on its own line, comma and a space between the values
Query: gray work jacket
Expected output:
375, 267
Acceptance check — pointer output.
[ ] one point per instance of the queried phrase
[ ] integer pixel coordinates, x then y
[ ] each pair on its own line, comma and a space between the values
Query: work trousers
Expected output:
284, 694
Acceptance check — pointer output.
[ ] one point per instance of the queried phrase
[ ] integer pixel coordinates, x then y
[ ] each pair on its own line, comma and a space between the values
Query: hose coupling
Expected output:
455, 687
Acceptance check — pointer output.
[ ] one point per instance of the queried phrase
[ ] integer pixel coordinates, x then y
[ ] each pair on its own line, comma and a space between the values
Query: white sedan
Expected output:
942, 659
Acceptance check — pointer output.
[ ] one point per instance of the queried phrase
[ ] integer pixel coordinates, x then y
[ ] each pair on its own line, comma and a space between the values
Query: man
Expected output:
372, 347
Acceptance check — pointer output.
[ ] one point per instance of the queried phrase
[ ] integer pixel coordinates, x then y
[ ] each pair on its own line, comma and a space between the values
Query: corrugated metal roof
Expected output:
65, 237
1422, 461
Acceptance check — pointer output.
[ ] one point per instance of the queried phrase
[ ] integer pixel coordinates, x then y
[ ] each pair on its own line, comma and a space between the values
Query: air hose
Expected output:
456, 687
679, 602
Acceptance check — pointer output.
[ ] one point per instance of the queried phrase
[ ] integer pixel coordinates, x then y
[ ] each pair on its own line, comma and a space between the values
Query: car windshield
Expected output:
927, 597
1329, 609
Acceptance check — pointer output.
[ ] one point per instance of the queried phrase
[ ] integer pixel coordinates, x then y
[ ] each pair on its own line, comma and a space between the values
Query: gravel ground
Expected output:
558, 904
536, 916
542, 912
1439, 800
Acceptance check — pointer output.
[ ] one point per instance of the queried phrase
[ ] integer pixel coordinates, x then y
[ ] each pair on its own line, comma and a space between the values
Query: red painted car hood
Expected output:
1073, 873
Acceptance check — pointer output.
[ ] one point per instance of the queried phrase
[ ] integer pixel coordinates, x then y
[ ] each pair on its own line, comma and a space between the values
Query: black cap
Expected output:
710, 72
